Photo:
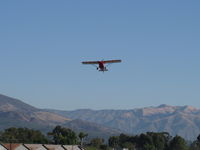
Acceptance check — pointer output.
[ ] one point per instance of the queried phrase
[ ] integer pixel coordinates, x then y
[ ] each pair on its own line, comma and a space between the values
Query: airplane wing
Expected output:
90, 62
112, 61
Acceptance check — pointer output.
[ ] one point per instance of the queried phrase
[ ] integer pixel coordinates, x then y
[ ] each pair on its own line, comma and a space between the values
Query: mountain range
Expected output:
181, 120
15, 113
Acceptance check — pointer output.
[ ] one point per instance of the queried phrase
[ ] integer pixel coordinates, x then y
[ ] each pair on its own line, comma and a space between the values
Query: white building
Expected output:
14, 146
53, 147
35, 147
2, 147
71, 147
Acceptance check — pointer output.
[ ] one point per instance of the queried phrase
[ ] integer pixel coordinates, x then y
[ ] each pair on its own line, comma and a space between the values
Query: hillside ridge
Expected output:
181, 120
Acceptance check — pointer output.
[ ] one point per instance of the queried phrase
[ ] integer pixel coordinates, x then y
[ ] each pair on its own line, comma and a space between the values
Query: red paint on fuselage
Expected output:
101, 65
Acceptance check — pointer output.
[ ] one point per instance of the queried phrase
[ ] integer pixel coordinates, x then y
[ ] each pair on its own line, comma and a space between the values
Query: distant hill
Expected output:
93, 129
181, 120
11, 104
15, 113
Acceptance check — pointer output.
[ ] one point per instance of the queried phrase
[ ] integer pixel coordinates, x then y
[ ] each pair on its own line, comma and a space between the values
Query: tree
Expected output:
82, 136
159, 140
96, 142
63, 135
123, 138
23, 135
144, 141
178, 143
104, 147
129, 145
149, 147
113, 141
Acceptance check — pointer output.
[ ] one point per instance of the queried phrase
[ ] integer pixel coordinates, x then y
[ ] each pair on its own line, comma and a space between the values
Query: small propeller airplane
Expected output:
101, 64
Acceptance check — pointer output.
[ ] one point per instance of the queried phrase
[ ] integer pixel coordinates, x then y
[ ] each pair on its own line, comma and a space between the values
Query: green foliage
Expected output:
129, 145
113, 141
100, 147
90, 148
63, 136
149, 147
96, 142
82, 136
104, 147
59, 135
159, 140
148, 141
178, 143
22, 135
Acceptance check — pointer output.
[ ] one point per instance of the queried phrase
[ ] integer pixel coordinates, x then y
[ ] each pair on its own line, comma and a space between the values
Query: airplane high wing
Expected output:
90, 62
105, 62
101, 66
111, 61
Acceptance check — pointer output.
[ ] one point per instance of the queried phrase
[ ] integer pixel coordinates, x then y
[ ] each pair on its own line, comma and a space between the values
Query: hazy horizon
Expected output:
153, 106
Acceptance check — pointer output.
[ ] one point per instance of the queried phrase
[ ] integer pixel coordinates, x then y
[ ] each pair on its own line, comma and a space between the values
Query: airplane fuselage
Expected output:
102, 66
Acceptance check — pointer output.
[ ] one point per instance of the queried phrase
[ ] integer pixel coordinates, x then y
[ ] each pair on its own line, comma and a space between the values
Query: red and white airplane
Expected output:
101, 64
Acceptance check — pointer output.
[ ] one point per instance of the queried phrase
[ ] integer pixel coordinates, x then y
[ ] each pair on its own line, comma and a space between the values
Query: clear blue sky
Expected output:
42, 44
